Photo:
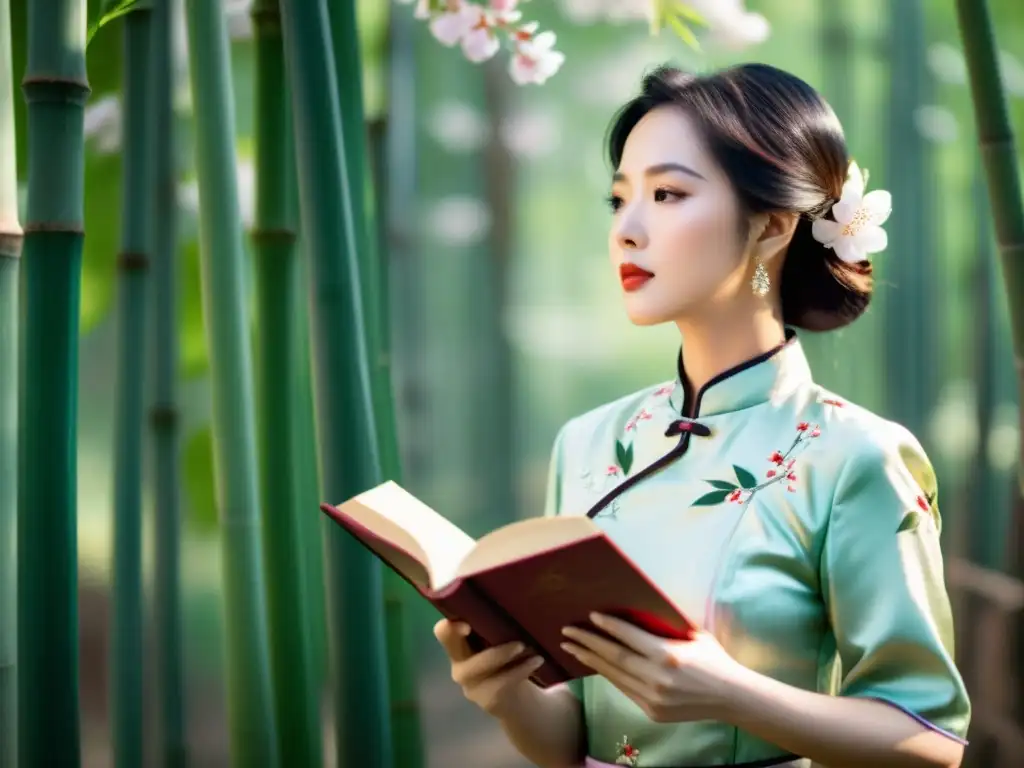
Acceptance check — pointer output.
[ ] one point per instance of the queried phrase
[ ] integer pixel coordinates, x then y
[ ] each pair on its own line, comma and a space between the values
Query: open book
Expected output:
524, 581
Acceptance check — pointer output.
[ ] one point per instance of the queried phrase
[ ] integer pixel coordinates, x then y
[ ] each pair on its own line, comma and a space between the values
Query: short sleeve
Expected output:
553, 507
883, 585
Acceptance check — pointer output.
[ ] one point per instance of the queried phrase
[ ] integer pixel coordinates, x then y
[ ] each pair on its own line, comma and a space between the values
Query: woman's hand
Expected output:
670, 680
486, 678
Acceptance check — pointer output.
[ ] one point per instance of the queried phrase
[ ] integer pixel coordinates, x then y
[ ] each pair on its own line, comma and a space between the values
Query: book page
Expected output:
528, 537
442, 543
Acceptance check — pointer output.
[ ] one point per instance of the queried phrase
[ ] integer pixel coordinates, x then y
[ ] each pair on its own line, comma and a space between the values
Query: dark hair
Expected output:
782, 148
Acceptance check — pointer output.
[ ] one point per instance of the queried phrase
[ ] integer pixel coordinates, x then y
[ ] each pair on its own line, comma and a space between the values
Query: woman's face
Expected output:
675, 242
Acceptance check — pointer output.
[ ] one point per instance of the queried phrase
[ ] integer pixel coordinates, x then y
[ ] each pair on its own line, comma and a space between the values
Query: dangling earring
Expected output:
760, 282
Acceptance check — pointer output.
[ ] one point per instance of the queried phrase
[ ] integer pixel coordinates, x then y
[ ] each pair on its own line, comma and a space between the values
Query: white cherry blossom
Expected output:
535, 59
479, 28
857, 229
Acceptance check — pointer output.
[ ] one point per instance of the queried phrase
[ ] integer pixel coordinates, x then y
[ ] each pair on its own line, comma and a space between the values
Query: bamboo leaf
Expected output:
723, 485
684, 32
910, 522
746, 479
120, 9
683, 10
711, 499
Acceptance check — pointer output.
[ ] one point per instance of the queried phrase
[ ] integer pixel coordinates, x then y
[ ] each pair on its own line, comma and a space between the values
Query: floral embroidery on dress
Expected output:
913, 518
627, 753
615, 473
832, 401
746, 484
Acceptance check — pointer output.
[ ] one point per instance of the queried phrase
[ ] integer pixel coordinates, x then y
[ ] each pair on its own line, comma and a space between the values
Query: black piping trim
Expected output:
730, 372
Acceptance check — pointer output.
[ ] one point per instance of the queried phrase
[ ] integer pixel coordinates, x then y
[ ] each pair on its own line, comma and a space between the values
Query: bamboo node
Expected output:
65, 90
163, 416
266, 16
66, 227
272, 235
132, 261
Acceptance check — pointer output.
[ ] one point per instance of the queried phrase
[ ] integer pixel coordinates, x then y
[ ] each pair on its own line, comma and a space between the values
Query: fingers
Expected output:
452, 636
637, 689
492, 693
485, 664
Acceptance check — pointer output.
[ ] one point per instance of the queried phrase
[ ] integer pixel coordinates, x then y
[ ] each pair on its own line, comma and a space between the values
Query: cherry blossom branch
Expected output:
481, 29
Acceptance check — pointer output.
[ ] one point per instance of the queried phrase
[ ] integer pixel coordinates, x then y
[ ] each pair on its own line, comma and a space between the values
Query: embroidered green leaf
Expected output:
624, 455
746, 479
910, 522
711, 499
723, 485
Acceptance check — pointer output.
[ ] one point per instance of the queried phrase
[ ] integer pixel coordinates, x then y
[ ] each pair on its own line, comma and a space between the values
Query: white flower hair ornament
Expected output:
857, 229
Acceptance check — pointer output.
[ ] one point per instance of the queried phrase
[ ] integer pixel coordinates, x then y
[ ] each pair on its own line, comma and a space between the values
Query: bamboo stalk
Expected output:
56, 89
407, 735
999, 155
126, 657
986, 540
307, 494
10, 252
349, 453
164, 415
373, 251
273, 238
911, 367
253, 735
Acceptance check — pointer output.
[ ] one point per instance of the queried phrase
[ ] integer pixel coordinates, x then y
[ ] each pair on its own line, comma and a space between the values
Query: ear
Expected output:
770, 234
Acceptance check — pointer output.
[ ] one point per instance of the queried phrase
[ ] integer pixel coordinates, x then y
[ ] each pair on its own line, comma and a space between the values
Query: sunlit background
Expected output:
506, 318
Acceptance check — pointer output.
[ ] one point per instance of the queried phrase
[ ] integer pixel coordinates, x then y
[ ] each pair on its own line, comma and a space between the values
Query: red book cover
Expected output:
524, 581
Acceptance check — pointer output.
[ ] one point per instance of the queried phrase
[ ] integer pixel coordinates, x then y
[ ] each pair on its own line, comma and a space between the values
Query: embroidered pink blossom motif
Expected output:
612, 470
627, 753
746, 484
914, 517
666, 390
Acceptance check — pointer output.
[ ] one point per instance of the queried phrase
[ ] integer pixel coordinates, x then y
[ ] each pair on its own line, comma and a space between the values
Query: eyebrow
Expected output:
660, 168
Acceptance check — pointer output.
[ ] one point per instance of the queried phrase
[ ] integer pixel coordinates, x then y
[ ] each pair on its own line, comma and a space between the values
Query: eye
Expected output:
614, 202
663, 195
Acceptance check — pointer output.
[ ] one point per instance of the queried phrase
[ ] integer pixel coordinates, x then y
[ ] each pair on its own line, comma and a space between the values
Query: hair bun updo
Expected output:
783, 150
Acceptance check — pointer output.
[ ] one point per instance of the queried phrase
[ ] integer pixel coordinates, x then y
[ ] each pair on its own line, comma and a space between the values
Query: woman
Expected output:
799, 530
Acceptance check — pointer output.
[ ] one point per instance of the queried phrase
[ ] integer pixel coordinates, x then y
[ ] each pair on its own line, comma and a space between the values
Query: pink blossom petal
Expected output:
480, 45
450, 28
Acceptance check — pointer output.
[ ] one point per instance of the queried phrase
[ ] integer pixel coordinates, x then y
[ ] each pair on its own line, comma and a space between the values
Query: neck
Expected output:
714, 345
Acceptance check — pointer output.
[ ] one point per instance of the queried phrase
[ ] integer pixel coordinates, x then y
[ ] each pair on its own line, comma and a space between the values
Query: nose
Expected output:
630, 234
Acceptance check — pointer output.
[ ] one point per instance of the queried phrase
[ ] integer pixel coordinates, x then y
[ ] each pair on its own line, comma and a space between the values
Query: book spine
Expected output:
493, 626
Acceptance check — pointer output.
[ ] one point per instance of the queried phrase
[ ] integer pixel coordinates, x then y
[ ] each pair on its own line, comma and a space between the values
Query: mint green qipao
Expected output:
799, 529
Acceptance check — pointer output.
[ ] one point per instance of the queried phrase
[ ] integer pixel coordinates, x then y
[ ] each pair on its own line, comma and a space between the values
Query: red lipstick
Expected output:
633, 277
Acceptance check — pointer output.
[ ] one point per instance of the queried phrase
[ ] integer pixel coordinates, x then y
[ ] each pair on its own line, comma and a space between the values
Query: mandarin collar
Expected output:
752, 382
